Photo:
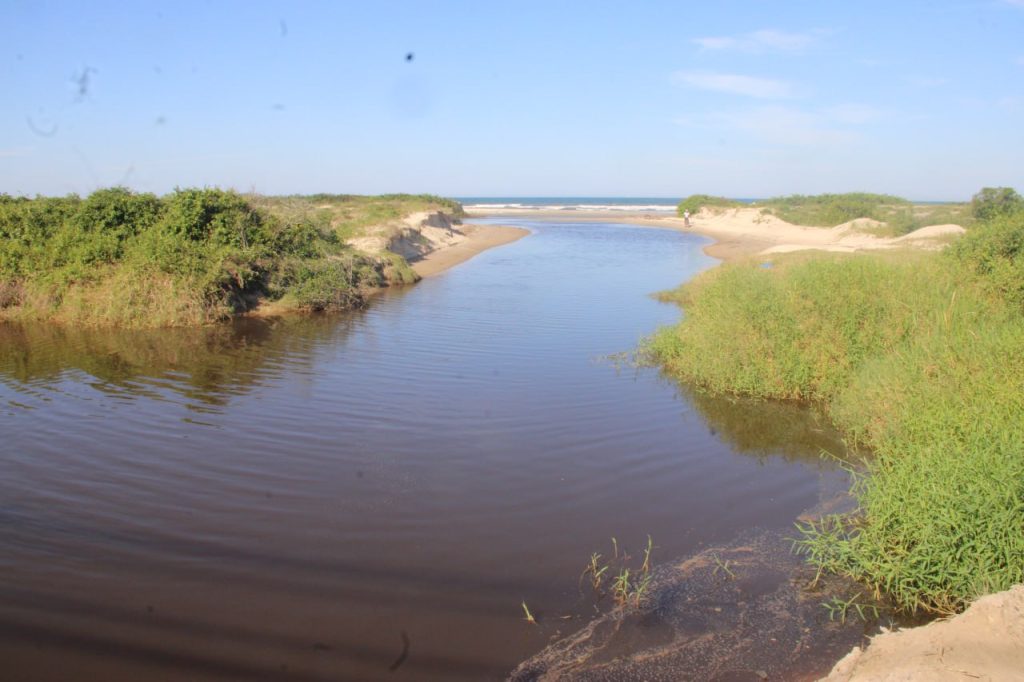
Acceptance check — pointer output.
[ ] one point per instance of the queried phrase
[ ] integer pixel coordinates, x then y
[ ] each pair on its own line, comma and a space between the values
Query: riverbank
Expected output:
197, 256
909, 356
741, 232
433, 241
917, 359
986, 642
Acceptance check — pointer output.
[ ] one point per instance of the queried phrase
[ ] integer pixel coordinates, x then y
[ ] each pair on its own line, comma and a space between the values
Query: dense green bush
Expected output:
995, 255
213, 216
115, 254
993, 202
695, 202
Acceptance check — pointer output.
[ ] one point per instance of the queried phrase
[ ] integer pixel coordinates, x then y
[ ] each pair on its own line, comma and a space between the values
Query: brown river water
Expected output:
370, 495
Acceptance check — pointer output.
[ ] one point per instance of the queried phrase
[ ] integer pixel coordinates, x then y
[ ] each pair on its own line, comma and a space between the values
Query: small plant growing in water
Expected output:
646, 568
628, 586
595, 570
722, 566
529, 616
621, 586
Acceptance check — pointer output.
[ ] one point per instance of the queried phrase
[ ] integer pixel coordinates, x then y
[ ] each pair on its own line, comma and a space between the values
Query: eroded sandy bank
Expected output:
477, 239
433, 242
986, 642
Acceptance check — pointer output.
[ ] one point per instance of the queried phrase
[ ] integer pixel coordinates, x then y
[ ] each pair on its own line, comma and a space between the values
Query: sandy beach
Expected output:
741, 232
476, 239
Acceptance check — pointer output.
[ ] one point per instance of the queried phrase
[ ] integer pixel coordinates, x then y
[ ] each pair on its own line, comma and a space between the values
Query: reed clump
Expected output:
918, 357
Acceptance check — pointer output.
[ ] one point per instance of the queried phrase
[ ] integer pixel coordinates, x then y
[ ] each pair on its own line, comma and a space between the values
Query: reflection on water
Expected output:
329, 497
765, 429
204, 366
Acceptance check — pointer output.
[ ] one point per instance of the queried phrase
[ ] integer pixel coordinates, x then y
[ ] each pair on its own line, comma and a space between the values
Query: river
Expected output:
370, 495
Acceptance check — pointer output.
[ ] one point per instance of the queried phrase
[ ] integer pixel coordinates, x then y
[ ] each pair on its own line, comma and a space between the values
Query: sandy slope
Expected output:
432, 242
741, 231
986, 642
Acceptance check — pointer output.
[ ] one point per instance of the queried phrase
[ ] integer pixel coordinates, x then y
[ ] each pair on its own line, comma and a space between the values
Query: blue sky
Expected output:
748, 99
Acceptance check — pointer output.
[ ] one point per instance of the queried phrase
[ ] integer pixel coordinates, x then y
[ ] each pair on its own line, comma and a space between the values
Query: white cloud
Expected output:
759, 41
749, 86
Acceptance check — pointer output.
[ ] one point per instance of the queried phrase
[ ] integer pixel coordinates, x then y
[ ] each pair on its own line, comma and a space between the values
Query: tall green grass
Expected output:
920, 358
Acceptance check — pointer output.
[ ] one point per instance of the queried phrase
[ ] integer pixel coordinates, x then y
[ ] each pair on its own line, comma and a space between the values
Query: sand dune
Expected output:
747, 231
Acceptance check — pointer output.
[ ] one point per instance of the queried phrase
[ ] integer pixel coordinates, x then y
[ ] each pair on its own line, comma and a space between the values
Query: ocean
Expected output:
652, 204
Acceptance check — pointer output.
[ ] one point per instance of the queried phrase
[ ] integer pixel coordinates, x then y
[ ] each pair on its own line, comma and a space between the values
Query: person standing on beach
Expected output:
686, 218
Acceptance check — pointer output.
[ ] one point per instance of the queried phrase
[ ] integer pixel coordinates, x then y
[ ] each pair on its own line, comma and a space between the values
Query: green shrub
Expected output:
994, 253
215, 216
335, 283
993, 202
695, 202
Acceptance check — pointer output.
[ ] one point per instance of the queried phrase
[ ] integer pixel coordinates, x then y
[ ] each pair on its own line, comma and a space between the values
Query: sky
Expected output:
658, 99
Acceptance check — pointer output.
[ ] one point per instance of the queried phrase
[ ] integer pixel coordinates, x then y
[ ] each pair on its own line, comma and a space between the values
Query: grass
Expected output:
722, 566
118, 258
829, 210
348, 215
920, 359
627, 586
896, 215
839, 609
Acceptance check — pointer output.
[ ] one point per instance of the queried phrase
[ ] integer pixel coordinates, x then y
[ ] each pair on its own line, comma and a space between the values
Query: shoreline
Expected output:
743, 232
478, 238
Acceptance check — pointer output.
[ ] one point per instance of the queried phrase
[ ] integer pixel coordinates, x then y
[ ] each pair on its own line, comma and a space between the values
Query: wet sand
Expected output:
478, 238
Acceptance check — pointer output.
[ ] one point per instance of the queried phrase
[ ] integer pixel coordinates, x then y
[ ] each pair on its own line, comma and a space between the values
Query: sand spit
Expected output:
986, 642
747, 231
432, 241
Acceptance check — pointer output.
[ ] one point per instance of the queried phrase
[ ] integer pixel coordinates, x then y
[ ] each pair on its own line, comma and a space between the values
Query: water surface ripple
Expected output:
309, 498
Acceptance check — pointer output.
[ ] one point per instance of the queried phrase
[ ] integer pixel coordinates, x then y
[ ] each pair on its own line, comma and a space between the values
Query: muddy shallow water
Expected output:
370, 495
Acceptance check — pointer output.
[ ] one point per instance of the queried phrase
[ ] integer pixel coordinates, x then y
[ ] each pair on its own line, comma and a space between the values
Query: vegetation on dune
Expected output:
993, 202
695, 202
898, 215
194, 256
919, 358
347, 215
828, 210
